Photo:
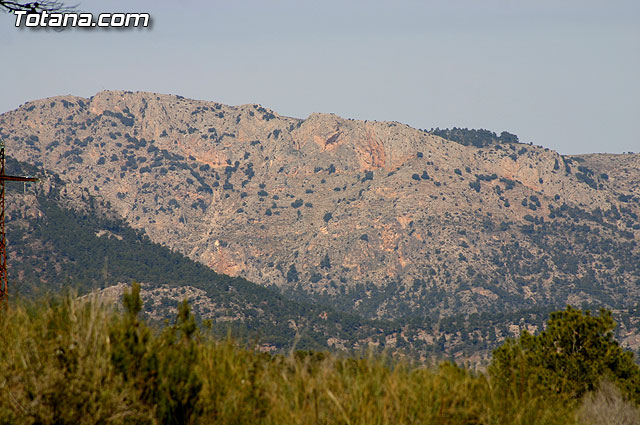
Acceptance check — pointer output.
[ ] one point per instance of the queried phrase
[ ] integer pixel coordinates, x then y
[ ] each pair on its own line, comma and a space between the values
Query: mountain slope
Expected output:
58, 243
376, 218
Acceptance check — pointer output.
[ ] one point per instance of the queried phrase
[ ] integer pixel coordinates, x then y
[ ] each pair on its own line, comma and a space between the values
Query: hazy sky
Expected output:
562, 74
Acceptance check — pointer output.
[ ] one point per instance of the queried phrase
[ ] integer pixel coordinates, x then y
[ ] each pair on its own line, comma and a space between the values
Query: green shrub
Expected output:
569, 358
161, 368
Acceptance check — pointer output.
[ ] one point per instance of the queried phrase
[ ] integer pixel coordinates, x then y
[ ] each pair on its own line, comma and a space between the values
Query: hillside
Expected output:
373, 218
57, 243
60, 240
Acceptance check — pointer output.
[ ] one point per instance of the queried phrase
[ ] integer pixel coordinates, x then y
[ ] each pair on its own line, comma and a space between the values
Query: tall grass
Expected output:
70, 361
55, 367
606, 406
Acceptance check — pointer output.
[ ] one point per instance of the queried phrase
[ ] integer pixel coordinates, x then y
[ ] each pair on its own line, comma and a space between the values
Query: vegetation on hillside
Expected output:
60, 247
75, 257
472, 137
69, 360
505, 226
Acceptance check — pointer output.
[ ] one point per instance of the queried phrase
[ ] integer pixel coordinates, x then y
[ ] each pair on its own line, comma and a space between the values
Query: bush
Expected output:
292, 274
162, 368
569, 358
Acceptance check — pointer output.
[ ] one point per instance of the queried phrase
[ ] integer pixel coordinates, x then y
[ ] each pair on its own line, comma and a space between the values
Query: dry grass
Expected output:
607, 407
57, 367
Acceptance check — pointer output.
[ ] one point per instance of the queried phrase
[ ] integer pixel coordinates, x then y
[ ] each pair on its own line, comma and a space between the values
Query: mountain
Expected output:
60, 240
376, 219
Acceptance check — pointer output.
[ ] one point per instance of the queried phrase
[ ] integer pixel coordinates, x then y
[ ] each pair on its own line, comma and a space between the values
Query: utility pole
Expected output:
4, 288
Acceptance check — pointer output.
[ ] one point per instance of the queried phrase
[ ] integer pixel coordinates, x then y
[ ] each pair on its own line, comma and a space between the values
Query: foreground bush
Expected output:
77, 362
569, 358
55, 367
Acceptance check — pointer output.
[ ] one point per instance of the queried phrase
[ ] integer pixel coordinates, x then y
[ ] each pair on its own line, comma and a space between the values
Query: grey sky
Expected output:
562, 74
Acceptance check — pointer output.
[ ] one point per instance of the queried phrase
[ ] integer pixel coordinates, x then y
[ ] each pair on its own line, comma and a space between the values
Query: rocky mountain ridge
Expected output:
376, 218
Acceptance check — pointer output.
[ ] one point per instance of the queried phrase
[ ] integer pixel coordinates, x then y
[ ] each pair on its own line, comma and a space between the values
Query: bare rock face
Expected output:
376, 217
